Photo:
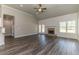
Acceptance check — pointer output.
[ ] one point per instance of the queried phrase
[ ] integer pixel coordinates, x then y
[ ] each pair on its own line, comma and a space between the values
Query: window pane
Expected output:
71, 31
62, 26
62, 30
39, 28
71, 23
43, 28
71, 26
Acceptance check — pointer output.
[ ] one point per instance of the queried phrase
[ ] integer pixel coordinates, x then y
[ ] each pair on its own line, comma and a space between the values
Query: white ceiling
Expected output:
53, 10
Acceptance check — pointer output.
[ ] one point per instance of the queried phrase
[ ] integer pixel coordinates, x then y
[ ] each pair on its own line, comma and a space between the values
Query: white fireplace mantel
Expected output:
46, 28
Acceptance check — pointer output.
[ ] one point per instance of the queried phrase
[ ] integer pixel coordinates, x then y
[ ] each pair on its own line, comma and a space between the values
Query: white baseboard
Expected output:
25, 35
67, 37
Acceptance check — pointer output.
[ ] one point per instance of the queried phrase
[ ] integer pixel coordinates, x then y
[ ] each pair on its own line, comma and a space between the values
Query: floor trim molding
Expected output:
25, 35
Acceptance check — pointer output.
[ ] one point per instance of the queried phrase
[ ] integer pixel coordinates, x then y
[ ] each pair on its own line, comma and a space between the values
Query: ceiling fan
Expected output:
40, 9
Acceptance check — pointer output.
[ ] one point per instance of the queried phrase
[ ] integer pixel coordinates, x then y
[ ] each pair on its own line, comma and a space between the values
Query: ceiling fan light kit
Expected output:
40, 9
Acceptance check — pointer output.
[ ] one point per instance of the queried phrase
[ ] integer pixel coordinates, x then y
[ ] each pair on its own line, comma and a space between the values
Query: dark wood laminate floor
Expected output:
40, 45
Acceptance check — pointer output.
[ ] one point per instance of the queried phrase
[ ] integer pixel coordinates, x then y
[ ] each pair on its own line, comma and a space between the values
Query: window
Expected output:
41, 28
62, 26
71, 26
68, 26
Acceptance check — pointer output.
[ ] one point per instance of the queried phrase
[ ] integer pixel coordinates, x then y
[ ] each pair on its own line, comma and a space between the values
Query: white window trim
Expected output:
66, 27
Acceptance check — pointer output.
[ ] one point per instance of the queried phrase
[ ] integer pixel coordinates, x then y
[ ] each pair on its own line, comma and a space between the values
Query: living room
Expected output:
39, 29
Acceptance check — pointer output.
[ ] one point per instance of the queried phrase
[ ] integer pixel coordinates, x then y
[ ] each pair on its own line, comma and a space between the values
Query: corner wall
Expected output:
54, 22
24, 23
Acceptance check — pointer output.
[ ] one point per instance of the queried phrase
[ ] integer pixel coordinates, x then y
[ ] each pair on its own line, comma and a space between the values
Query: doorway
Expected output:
8, 23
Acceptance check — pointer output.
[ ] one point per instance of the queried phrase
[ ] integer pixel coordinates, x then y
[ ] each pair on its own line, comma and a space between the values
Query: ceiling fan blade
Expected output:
42, 11
35, 8
44, 8
37, 12
40, 5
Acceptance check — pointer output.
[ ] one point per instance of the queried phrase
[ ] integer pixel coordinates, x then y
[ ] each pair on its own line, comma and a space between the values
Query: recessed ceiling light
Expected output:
21, 5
